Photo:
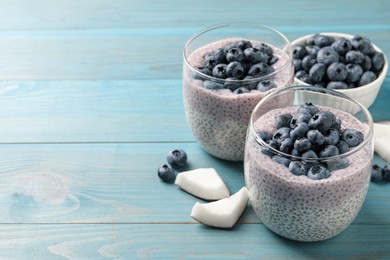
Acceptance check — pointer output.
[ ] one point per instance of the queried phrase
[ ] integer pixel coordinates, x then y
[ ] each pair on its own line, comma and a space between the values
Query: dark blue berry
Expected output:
241, 90
219, 71
283, 120
329, 151
310, 40
376, 173
302, 144
362, 44
177, 158
386, 172
260, 69
263, 47
342, 146
316, 137
332, 137
264, 135
266, 85
337, 164
268, 151
354, 72
354, 57
299, 51
342, 45
337, 85
212, 85
367, 78
352, 137
286, 145
318, 172
272, 60
214, 58
310, 154
323, 40
297, 64
303, 76
321, 121
166, 173
336, 72
299, 130
234, 69
251, 84
317, 72
378, 60
295, 152
254, 55
297, 168
308, 107
231, 83
307, 62
281, 160
203, 70
312, 50
300, 117
367, 63
327, 56
234, 54
281, 134
243, 44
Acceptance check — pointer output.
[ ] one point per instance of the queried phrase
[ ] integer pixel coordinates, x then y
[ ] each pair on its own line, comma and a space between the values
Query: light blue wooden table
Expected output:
91, 102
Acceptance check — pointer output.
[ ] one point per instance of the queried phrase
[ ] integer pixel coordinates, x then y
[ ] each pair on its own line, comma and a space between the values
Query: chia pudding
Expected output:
297, 207
219, 118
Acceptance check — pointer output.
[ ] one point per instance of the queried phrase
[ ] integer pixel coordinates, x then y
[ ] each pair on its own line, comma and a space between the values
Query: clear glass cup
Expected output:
297, 207
219, 118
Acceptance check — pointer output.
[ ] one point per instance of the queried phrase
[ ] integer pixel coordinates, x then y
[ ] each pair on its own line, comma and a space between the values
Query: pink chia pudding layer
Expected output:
298, 207
219, 118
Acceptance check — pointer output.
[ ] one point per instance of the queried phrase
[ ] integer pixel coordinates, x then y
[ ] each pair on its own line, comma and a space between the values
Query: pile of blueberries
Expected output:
238, 61
337, 63
310, 134
176, 158
380, 174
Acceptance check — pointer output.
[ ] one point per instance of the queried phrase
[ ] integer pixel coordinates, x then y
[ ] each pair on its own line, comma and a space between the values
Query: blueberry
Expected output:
234, 54
303, 76
251, 84
272, 60
342, 45
266, 85
354, 72
312, 50
309, 107
310, 40
316, 137
367, 63
362, 44
286, 145
378, 60
265, 48
367, 78
295, 152
336, 72
210, 61
386, 172
203, 70
214, 58
282, 120
321, 121
219, 71
231, 83
281, 160
317, 72
327, 56
243, 44
337, 85
337, 164
241, 90
166, 173
302, 144
264, 135
299, 51
281, 134
297, 168
234, 69
267, 151
354, 57
254, 55
352, 137
297, 64
329, 151
323, 40
260, 69
337, 123
376, 173
177, 158
342, 146
300, 117
212, 85
299, 130
332, 137
308, 62
318, 172
310, 154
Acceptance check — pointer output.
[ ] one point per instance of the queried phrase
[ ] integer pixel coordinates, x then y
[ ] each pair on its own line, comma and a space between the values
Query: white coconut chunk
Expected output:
204, 183
382, 140
223, 213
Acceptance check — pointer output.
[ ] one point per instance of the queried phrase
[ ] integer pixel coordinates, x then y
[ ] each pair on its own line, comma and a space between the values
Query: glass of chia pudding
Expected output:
308, 161
227, 70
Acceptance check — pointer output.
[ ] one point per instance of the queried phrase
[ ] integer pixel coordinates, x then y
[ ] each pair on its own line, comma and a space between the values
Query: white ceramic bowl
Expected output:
366, 94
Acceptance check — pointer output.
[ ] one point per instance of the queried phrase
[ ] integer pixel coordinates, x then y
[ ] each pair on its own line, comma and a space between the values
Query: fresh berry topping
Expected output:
244, 44
177, 158
309, 107
166, 173
302, 144
235, 54
264, 135
310, 154
241, 90
342, 146
266, 85
297, 168
219, 71
352, 137
329, 151
212, 85
254, 55
234, 69
386, 172
282, 120
281, 160
286, 145
281, 134
338, 164
316, 137
262, 47
321, 121
318, 172
332, 137
299, 130
376, 173
260, 69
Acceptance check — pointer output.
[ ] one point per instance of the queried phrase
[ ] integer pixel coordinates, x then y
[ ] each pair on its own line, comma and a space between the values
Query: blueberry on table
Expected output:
266, 85
166, 173
367, 78
386, 172
376, 173
318, 172
327, 56
352, 137
177, 158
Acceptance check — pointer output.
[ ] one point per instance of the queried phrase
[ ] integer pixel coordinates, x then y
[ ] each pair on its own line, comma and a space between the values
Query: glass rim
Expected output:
355, 149
288, 51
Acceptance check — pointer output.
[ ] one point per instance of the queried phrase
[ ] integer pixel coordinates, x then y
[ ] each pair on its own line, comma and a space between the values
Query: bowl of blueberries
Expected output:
350, 64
